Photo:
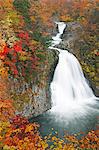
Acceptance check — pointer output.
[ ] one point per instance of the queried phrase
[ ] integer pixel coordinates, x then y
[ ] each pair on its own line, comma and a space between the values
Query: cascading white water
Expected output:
57, 39
69, 88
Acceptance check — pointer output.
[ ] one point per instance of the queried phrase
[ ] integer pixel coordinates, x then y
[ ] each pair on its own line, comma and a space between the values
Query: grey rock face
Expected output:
30, 98
72, 34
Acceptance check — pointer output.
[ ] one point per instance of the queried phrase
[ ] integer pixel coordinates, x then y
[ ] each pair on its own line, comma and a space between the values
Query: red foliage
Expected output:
18, 46
18, 121
5, 51
23, 35
15, 72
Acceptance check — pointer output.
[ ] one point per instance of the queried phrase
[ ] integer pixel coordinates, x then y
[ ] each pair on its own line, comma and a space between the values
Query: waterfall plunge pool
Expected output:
50, 123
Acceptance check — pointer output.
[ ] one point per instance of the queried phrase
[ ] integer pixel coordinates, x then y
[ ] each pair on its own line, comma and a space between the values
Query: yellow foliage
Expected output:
29, 128
4, 72
33, 18
24, 56
2, 43
69, 147
66, 18
34, 42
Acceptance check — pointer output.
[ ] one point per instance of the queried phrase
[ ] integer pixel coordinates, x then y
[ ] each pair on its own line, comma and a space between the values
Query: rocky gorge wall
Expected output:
73, 41
34, 97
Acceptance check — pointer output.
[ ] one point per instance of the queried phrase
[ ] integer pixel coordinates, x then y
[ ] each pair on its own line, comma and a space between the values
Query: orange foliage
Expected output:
6, 110
22, 135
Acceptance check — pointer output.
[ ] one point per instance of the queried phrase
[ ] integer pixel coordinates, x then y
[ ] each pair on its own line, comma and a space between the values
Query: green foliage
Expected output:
23, 7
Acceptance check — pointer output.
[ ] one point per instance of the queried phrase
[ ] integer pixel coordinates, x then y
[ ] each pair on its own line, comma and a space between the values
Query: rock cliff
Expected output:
34, 97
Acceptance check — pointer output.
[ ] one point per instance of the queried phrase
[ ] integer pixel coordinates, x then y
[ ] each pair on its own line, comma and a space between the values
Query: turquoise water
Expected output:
49, 123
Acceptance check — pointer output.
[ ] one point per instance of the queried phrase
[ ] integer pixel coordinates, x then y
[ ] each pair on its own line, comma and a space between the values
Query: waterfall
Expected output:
71, 93
74, 106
